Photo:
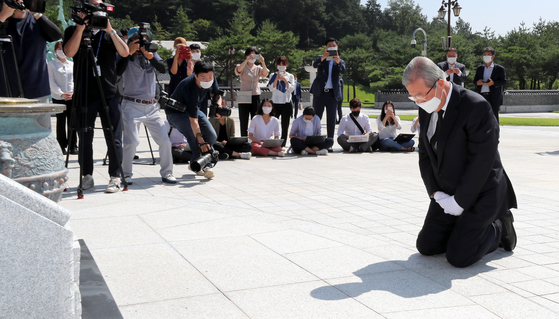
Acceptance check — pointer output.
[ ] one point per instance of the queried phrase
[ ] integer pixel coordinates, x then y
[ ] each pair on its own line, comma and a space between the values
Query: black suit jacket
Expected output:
499, 77
467, 163
456, 79
319, 82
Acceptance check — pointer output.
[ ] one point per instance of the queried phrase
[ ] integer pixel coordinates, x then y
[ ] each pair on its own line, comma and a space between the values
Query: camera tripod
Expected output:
86, 60
6, 38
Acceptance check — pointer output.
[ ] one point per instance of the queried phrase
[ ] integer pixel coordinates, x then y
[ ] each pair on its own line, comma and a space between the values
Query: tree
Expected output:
274, 43
181, 26
403, 16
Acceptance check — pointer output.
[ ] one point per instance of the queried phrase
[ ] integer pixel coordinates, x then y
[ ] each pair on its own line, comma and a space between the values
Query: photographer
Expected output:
139, 104
177, 64
106, 43
30, 33
193, 123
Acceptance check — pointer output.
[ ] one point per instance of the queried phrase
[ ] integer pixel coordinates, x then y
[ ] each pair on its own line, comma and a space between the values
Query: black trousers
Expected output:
86, 138
467, 238
299, 145
340, 111
283, 113
494, 105
327, 100
229, 149
244, 110
63, 125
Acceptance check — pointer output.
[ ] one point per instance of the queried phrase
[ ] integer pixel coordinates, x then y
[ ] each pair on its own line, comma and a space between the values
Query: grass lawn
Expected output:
361, 92
508, 121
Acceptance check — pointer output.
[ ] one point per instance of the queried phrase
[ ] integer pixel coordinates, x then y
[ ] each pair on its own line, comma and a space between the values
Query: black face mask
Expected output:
355, 113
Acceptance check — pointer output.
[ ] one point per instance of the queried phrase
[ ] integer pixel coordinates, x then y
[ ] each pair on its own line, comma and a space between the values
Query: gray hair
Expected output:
422, 68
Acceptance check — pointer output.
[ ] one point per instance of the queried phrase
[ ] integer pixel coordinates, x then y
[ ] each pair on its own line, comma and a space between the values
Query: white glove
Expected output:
440, 195
449, 204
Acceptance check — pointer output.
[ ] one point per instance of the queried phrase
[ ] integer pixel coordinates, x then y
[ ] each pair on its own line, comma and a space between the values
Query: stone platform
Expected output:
314, 237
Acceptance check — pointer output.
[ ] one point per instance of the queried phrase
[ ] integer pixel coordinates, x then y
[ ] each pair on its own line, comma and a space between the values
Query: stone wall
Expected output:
39, 256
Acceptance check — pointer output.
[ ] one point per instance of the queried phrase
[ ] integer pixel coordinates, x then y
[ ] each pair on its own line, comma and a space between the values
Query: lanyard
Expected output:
99, 45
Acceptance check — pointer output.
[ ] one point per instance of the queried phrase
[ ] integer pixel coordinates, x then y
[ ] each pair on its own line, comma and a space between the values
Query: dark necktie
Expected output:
435, 136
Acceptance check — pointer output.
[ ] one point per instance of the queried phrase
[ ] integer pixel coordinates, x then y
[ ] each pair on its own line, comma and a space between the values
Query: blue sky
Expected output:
500, 15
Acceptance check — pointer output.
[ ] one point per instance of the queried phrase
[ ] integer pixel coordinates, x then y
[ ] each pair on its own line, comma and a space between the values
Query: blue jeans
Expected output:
181, 122
389, 143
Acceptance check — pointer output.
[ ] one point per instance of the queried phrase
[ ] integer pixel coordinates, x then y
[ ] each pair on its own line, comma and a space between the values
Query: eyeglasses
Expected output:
413, 98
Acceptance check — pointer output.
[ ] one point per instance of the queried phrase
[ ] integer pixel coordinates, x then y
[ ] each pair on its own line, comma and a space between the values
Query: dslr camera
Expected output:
143, 28
97, 16
215, 108
166, 100
33, 5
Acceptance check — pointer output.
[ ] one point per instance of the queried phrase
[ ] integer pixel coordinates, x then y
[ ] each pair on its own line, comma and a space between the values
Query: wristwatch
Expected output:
36, 15
112, 33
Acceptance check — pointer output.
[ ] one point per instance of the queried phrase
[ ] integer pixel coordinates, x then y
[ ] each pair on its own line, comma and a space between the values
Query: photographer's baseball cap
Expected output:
134, 31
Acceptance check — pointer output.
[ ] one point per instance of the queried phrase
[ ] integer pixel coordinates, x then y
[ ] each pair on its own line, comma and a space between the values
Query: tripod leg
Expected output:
150, 149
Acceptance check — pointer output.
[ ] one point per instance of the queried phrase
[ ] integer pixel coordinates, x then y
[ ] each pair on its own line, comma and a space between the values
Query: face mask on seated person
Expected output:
267, 110
355, 113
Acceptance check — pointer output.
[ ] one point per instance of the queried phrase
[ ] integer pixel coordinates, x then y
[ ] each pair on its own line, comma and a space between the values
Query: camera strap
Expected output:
97, 54
357, 124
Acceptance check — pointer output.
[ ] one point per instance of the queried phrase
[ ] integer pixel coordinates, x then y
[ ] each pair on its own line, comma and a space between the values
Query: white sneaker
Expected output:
114, 185
87, 182
281, 154
128, 180
246, 155
208, 173
303, 152
322, 152
169, 179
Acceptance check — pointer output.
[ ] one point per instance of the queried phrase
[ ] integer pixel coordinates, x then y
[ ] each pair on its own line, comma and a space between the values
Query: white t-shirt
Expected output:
388, 130
262, 131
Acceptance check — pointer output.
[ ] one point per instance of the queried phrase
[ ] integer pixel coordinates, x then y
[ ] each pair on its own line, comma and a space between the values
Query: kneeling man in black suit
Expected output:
460, 165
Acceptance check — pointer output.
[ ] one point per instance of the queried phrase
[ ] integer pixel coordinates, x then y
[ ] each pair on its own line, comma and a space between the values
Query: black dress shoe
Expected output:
330, 150
508, 234
74, 150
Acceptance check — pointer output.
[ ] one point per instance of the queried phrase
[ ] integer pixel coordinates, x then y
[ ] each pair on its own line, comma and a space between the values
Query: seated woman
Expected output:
224, 127
348, 127
262, 127
387, 124
305, 125
179, 145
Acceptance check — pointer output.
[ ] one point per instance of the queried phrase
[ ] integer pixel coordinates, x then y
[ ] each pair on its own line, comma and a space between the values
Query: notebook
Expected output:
237, 140
314, 140
276, 142
403, 138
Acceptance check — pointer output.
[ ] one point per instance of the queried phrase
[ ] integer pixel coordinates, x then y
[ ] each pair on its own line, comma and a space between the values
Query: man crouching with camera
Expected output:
139, 104
106, 43
184, 114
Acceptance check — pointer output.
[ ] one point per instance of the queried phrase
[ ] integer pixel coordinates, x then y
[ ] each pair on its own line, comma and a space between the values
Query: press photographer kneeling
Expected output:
184, 114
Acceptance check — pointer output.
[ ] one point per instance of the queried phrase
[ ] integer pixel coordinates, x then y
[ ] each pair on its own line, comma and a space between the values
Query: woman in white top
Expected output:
387, 124
262, 127
250, 74
281, 85
61, 83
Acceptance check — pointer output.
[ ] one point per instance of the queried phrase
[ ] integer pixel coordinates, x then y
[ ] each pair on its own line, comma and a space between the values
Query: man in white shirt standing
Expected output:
348, 127
61, 81
455, 72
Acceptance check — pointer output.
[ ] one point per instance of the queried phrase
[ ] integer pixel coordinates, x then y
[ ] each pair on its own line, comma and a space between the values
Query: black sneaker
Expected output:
508, 234
74, 150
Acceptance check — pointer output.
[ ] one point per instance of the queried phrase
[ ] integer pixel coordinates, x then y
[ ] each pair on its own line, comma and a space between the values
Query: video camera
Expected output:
97, 16
165, 99
215, 108
33, 5
143, 42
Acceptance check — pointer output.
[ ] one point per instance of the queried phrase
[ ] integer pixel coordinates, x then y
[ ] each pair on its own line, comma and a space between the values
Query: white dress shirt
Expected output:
435, 117
279, 97
348, 127
60, 78
262, 131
